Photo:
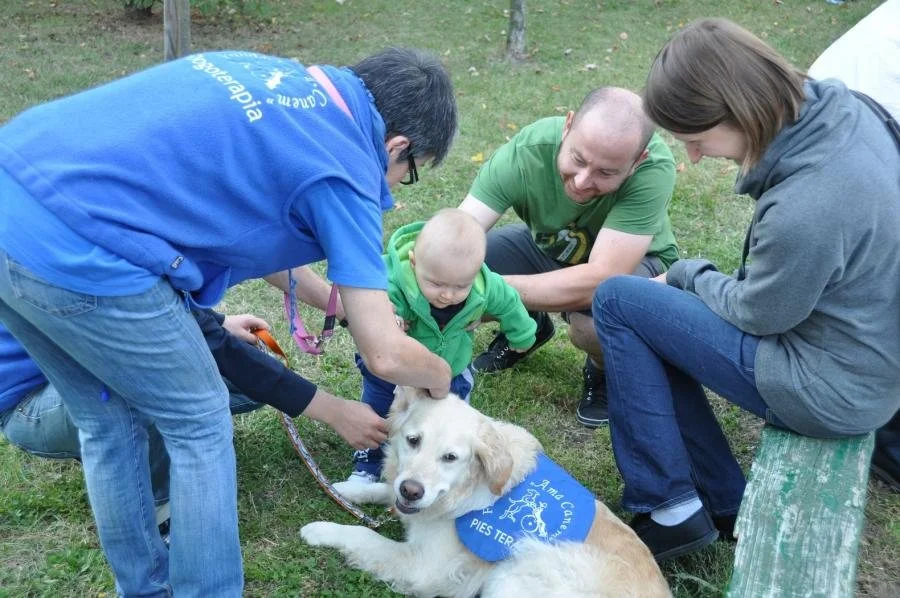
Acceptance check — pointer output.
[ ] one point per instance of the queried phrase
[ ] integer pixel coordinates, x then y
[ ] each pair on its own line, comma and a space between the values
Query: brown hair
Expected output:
716, 72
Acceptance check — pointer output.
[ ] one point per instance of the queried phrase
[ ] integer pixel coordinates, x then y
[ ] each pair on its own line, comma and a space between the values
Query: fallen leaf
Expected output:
478, 158
512, 126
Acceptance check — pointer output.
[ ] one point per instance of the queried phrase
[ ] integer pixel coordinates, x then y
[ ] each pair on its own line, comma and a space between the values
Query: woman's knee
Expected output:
614, 289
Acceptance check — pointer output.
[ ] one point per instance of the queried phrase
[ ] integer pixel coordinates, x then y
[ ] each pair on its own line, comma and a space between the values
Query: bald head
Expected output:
617, 114
454, 236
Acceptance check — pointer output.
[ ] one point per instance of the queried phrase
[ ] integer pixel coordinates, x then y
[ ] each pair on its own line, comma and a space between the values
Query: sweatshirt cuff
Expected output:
683, 273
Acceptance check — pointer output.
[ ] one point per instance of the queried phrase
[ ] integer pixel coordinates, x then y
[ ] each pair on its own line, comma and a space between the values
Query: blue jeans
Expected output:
661, 346
379, 394
41, 426
123, 364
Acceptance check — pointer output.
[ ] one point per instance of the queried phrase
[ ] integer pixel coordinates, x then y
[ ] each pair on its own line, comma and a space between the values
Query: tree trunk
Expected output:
515, 40
177, 28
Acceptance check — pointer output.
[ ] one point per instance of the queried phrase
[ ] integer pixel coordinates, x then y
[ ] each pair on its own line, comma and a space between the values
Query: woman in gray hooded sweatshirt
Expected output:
806, 335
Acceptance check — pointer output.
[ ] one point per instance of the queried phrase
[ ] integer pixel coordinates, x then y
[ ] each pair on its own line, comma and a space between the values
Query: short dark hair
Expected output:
715, 72
414, 95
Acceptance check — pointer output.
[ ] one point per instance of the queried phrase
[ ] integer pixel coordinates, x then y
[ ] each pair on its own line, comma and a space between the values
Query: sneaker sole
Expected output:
537, 345
687, 548
885, 477
589, 422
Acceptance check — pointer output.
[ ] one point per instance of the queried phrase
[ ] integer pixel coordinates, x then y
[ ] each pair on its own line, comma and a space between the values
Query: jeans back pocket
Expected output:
42, 295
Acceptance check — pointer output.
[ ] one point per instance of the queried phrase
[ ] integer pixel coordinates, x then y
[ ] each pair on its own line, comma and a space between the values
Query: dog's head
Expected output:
445, 457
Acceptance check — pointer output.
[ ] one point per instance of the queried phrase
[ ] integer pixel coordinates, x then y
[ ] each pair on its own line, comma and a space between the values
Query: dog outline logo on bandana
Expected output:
532, 522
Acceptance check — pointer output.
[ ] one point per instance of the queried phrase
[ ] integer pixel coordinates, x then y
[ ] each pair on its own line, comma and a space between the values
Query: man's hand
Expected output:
242, 326
661, 278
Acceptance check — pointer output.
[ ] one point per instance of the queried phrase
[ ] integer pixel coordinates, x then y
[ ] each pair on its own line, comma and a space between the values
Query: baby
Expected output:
441, 289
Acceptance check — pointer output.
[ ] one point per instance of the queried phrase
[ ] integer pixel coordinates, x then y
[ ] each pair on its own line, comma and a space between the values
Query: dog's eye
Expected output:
449, 457
413, 440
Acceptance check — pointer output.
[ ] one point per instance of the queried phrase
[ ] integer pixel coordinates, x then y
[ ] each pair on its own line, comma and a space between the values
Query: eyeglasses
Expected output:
413, 172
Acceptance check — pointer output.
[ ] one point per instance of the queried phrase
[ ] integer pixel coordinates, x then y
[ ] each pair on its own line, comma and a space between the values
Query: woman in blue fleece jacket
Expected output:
806, 335
237, 165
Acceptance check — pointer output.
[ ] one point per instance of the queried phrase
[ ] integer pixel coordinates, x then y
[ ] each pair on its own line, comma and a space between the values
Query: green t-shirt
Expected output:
522, 175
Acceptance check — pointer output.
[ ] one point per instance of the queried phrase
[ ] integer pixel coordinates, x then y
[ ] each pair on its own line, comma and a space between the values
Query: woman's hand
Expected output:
242, 326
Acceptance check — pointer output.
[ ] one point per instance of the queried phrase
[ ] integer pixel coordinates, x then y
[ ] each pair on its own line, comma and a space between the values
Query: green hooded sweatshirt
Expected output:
490, 295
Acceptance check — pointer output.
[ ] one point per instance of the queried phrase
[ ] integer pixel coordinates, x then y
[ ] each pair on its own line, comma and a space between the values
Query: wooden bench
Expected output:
801, 518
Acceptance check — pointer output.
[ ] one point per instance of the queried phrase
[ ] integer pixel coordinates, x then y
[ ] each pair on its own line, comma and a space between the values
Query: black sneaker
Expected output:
500, 357
593, 410
725, 525
164, 532
667, 542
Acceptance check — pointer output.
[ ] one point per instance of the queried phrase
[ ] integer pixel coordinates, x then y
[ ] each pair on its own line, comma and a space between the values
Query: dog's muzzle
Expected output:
411, 491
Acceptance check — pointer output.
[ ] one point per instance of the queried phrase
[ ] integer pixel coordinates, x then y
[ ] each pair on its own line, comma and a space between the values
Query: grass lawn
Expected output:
48, 544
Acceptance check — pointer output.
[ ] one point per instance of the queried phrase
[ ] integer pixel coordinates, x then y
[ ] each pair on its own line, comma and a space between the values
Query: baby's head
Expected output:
448, 254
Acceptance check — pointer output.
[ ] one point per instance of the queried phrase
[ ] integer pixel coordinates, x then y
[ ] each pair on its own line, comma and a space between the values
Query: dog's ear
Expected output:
404, 397
493, 453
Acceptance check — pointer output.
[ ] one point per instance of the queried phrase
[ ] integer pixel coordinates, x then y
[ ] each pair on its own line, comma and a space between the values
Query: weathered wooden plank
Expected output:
177, 28
801, 518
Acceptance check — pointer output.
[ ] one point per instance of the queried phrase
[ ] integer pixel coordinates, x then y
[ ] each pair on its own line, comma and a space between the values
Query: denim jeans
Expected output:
123, 364
40, 425
661, 346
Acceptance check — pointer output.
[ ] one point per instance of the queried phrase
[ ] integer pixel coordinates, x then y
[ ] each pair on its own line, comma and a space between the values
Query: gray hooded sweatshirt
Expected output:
823, 286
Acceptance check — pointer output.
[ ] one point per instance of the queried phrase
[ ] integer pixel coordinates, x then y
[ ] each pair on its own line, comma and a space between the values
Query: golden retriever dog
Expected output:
445, 460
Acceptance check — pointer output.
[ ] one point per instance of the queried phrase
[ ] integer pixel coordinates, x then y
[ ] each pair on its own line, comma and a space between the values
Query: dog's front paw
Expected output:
321, 533
364, 494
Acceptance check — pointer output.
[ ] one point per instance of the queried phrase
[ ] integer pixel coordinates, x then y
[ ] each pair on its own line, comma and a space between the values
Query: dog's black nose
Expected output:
411, 490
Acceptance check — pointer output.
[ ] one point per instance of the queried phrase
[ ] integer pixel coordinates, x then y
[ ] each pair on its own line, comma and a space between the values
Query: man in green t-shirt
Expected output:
592, 190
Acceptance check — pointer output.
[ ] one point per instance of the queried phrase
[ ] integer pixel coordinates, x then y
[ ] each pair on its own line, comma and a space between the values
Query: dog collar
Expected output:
548, 505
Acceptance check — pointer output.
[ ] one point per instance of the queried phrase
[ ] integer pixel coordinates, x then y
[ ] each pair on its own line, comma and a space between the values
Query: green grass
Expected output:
48, 544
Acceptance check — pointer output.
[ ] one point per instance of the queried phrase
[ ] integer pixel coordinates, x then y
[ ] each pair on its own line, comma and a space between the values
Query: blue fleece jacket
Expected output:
212, 169
18, 372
